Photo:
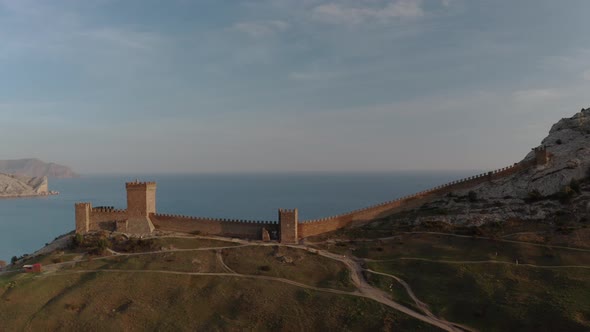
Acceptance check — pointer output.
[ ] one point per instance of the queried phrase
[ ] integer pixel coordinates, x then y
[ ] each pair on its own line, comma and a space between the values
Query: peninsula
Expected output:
22, 186
33, 167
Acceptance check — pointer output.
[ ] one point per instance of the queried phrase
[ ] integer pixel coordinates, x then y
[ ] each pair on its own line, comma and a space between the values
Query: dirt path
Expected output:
421, 305
223, 265
380, 296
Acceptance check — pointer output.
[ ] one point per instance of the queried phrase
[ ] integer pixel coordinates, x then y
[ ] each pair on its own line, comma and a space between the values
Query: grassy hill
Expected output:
383, 276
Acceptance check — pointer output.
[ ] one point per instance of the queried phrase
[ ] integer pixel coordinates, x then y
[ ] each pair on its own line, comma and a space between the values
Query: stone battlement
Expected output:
244, 221
137, 184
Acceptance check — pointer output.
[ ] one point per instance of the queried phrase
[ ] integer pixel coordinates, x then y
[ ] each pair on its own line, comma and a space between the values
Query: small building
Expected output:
35, 268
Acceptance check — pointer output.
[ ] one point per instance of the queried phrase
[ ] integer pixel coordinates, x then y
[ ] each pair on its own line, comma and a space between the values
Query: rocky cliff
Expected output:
35, 168
21, 186
561, 187
568, 146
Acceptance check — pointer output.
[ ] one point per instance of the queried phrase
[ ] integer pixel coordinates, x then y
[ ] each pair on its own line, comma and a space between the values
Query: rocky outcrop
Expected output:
35, 168
568, 147
560, 187
20, 186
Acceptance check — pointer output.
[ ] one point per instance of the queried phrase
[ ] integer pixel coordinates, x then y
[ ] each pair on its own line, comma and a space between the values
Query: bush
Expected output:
575, 185
566, 194
559, 141
265, 268
102, 245
535, 195
303, 295
472, 196
77, 241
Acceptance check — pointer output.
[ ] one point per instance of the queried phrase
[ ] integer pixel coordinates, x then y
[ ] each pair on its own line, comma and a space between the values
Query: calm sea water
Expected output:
28, 223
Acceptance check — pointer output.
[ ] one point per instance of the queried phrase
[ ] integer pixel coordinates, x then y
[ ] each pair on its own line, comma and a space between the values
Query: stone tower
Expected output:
288, 221
541, 155
83, 217
141, 202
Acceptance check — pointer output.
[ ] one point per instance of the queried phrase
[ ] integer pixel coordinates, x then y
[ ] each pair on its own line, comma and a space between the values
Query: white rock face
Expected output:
19, 186
568, 144
509, 198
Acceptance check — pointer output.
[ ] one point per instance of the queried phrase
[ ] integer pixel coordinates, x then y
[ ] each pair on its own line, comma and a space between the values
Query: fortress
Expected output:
141, 218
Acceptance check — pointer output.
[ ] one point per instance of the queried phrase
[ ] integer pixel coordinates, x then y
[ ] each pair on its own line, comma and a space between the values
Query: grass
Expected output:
442, 247
144, 301
184, 261
499, 297
191, 243
310, 269
397, 292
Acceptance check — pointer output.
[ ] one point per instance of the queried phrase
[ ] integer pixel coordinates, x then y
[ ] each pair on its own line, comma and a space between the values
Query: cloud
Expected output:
313, 75
338, 13
122, 38
261, 28
535, 96
446, 3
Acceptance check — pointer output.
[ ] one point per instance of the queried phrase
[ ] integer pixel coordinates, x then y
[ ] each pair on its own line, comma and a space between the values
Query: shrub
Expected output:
566, 194
472, 196
77, 240
265, 268
102, 245
559, 141
575, 185
303, 295
535, 195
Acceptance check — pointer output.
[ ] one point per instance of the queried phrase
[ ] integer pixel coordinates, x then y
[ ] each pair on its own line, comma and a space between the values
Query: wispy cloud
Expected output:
354, 14
314, 75
261, 28
535, 96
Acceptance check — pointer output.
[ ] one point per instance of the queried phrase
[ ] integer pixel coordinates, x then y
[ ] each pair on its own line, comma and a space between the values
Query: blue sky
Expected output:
287, 85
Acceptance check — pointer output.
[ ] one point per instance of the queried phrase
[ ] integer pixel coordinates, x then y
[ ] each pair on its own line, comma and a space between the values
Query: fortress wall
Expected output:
211, 226
358, 217
100, 216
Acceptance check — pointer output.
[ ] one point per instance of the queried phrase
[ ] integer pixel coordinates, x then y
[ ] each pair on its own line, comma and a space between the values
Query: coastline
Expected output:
50, 193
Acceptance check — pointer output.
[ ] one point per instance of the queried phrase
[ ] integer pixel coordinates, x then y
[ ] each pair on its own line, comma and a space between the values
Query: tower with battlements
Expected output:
82, 217
141, 203
541, 155
288, 220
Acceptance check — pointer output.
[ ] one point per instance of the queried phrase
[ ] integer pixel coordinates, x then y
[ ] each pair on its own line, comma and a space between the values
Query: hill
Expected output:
35, 168
510, 253
22, 186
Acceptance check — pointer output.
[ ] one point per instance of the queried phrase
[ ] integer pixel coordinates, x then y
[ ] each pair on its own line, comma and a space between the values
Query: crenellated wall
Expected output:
212, 226
318, 226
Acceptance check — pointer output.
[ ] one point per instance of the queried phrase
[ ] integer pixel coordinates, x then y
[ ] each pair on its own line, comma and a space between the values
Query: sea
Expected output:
27, 224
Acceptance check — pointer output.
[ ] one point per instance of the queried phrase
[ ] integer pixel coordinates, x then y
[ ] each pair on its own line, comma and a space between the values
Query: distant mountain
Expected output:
35, 168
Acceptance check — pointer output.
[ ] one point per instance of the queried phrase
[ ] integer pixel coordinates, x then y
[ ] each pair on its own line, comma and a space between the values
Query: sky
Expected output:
142, 86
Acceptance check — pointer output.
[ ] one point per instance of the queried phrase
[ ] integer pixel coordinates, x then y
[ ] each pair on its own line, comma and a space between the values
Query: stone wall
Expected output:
319, 226
212, 226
